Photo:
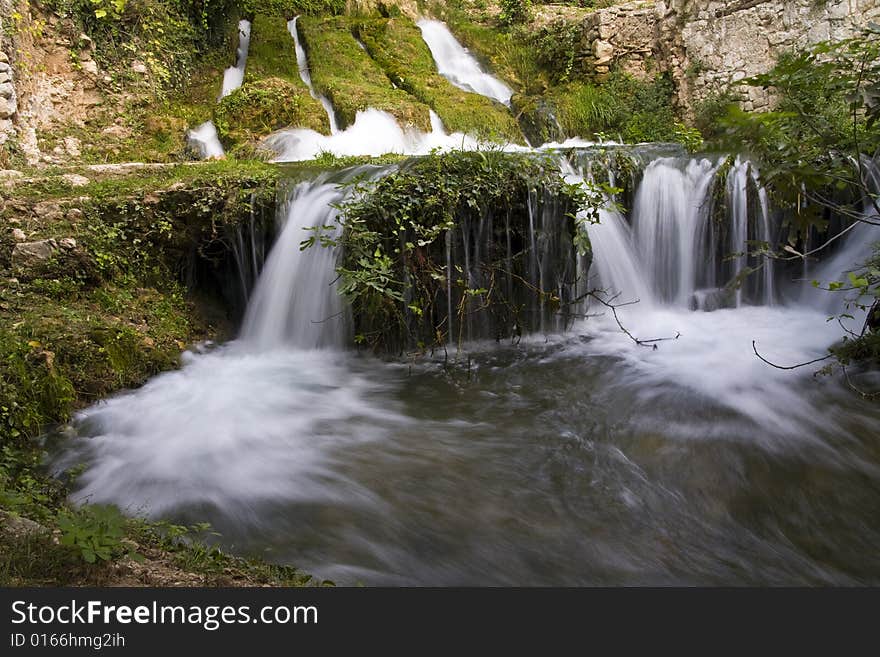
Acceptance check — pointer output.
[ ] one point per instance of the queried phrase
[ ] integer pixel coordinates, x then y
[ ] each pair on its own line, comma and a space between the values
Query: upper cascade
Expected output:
204, 139
458, 66
302, 64
233, 77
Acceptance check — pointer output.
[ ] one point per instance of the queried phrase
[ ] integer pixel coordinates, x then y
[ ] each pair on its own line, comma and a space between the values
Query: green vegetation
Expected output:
353, 82
515, 11
397, 46
260, 108
637, 111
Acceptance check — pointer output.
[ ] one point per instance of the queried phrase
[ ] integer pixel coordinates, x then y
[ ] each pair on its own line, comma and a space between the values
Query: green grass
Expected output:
352, 81
623, 107
397, 46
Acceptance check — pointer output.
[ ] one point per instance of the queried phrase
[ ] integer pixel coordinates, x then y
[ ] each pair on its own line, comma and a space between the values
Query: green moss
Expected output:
260, 108
287, 9
353, 82
272, 52
397, 46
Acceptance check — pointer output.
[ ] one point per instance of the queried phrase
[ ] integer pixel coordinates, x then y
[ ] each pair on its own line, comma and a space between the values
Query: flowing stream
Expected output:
563, 459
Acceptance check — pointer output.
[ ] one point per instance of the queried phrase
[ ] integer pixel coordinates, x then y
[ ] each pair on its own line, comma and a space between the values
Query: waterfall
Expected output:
302, 64
295, 302
249, 251
204, 139
671, 207
458, 66
233, 77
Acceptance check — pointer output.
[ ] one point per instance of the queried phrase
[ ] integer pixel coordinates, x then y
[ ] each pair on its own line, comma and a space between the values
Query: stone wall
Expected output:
707, 45
712, 44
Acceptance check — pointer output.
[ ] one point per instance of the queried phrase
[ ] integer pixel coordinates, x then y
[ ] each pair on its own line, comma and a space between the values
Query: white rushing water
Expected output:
205, 141
233, 77
302, 64
373, 132
458, 66
295, 302
204, 138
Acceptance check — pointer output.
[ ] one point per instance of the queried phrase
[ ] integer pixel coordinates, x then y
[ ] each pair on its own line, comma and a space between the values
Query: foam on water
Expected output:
373, 132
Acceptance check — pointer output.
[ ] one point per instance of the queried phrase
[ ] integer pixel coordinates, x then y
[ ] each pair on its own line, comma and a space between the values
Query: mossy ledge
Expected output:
351, 80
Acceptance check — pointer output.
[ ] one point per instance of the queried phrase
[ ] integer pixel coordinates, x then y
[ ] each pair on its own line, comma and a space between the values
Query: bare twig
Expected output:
790, 367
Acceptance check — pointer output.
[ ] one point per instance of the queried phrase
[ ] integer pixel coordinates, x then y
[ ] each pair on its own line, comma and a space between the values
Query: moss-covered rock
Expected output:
351, 80
259, 108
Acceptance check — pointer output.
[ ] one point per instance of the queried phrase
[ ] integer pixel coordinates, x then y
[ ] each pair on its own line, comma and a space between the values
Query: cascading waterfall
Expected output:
204, 138
233, 77
458, 66
555, 460
673, 253
373, 132
295, 302
671, 209
302, 64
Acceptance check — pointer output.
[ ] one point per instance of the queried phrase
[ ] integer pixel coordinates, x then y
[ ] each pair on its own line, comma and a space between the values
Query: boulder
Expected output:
29, 254
603, 51
75, 180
